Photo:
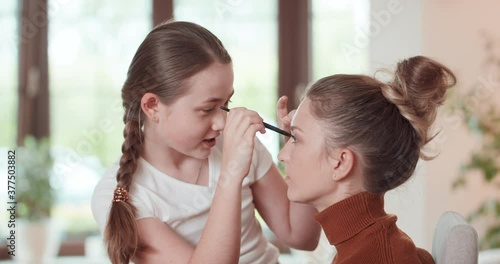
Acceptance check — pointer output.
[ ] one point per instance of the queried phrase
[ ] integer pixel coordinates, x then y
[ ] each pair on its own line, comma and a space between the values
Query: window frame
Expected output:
293, 71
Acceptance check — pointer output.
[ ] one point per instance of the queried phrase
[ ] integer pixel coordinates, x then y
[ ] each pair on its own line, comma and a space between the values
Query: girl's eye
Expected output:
208, 110
294, 139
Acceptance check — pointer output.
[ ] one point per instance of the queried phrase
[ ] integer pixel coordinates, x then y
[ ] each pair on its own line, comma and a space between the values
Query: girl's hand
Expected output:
284, 118
239, 133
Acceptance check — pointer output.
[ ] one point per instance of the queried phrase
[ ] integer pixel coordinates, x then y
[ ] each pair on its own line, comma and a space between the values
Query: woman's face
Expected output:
307, 166
193, 122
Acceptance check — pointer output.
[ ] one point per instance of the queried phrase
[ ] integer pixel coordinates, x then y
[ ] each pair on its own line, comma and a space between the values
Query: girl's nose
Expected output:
219, 120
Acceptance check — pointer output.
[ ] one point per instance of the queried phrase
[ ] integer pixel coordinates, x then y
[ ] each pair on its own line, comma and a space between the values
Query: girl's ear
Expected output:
342, 164
150, 106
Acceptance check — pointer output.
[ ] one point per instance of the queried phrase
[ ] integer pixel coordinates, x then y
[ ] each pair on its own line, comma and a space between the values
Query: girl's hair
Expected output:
171, 53
385, 124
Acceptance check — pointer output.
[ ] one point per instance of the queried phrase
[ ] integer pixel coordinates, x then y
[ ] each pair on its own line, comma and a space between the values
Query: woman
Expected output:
355, 138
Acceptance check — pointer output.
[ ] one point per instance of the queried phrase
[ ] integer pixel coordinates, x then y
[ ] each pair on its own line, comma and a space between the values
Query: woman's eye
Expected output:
294, 139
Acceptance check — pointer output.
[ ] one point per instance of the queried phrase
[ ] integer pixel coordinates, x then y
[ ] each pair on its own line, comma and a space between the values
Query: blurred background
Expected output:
63, 62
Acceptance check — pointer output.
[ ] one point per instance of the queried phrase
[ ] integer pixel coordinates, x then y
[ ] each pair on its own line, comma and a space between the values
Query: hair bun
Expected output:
419, 88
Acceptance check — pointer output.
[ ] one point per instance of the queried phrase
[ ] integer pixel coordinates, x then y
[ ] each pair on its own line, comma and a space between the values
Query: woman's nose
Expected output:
284, 154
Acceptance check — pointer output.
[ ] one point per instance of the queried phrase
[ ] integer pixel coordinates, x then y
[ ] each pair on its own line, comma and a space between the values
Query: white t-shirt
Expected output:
184, 206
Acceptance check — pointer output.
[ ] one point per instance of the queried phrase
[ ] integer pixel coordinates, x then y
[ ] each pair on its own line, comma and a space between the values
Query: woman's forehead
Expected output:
302, 113
305, 121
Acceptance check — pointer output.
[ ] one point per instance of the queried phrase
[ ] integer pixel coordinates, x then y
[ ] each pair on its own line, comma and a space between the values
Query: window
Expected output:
248, 30
339, 40
8, 93
91, 44
8, 71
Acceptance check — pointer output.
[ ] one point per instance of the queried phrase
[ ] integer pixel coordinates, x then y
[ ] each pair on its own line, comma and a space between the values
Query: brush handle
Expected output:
275, 129
266, 125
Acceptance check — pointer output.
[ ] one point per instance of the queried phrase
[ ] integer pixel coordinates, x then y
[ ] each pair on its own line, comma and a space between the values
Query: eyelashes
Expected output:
208, 110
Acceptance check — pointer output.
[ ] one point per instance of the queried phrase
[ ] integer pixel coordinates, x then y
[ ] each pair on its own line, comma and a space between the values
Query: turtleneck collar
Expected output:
345, 219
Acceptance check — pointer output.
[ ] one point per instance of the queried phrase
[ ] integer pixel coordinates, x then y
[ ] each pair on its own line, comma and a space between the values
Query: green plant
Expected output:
482, 116
34, 193
485, 160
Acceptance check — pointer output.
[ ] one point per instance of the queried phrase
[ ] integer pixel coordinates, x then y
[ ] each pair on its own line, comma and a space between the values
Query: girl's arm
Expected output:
219, 243
292, 223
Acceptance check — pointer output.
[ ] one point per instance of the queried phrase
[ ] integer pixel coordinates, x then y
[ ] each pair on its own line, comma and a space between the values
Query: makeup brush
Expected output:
266, 125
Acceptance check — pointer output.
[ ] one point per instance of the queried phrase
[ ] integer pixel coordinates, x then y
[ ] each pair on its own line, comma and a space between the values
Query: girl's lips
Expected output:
209, 142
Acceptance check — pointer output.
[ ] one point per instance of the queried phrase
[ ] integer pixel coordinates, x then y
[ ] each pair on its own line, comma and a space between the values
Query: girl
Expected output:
362, 138
180, 193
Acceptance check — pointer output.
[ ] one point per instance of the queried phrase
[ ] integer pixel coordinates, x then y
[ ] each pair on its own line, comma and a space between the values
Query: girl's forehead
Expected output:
216, 80
210, 92
201, 94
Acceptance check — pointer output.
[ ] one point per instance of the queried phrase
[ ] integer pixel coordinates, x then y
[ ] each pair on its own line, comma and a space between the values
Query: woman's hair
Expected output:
385, 124
171, 53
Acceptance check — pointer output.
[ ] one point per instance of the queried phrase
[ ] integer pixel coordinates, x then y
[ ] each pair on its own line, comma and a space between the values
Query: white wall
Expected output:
449, 31
400, 37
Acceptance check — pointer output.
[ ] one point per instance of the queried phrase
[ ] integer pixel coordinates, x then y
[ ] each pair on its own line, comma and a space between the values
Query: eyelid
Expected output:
208, 110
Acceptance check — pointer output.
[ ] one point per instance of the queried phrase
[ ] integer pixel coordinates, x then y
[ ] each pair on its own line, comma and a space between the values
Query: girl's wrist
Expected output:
229, 179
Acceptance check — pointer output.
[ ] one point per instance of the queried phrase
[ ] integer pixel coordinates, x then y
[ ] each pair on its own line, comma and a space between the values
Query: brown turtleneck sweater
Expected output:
363, 233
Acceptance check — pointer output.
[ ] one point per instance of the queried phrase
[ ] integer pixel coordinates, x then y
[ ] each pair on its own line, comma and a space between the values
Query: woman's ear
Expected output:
343, 164
150, 106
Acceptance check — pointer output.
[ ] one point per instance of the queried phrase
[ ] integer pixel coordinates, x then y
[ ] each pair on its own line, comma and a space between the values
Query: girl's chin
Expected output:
200, 152
205, 153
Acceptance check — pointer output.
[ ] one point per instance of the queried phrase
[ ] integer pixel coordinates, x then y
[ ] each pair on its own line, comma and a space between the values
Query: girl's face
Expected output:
192, 123
307, 166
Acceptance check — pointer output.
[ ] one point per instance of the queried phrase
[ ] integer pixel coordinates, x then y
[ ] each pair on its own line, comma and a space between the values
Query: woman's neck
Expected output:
346, 188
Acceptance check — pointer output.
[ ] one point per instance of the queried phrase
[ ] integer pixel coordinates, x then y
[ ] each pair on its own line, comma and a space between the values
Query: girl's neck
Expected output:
177, 165
165, 158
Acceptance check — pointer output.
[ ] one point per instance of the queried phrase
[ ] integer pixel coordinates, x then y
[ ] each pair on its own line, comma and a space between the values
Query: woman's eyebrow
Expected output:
292, 128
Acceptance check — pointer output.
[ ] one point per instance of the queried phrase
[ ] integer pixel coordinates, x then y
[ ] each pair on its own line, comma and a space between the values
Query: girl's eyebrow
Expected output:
216, 99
